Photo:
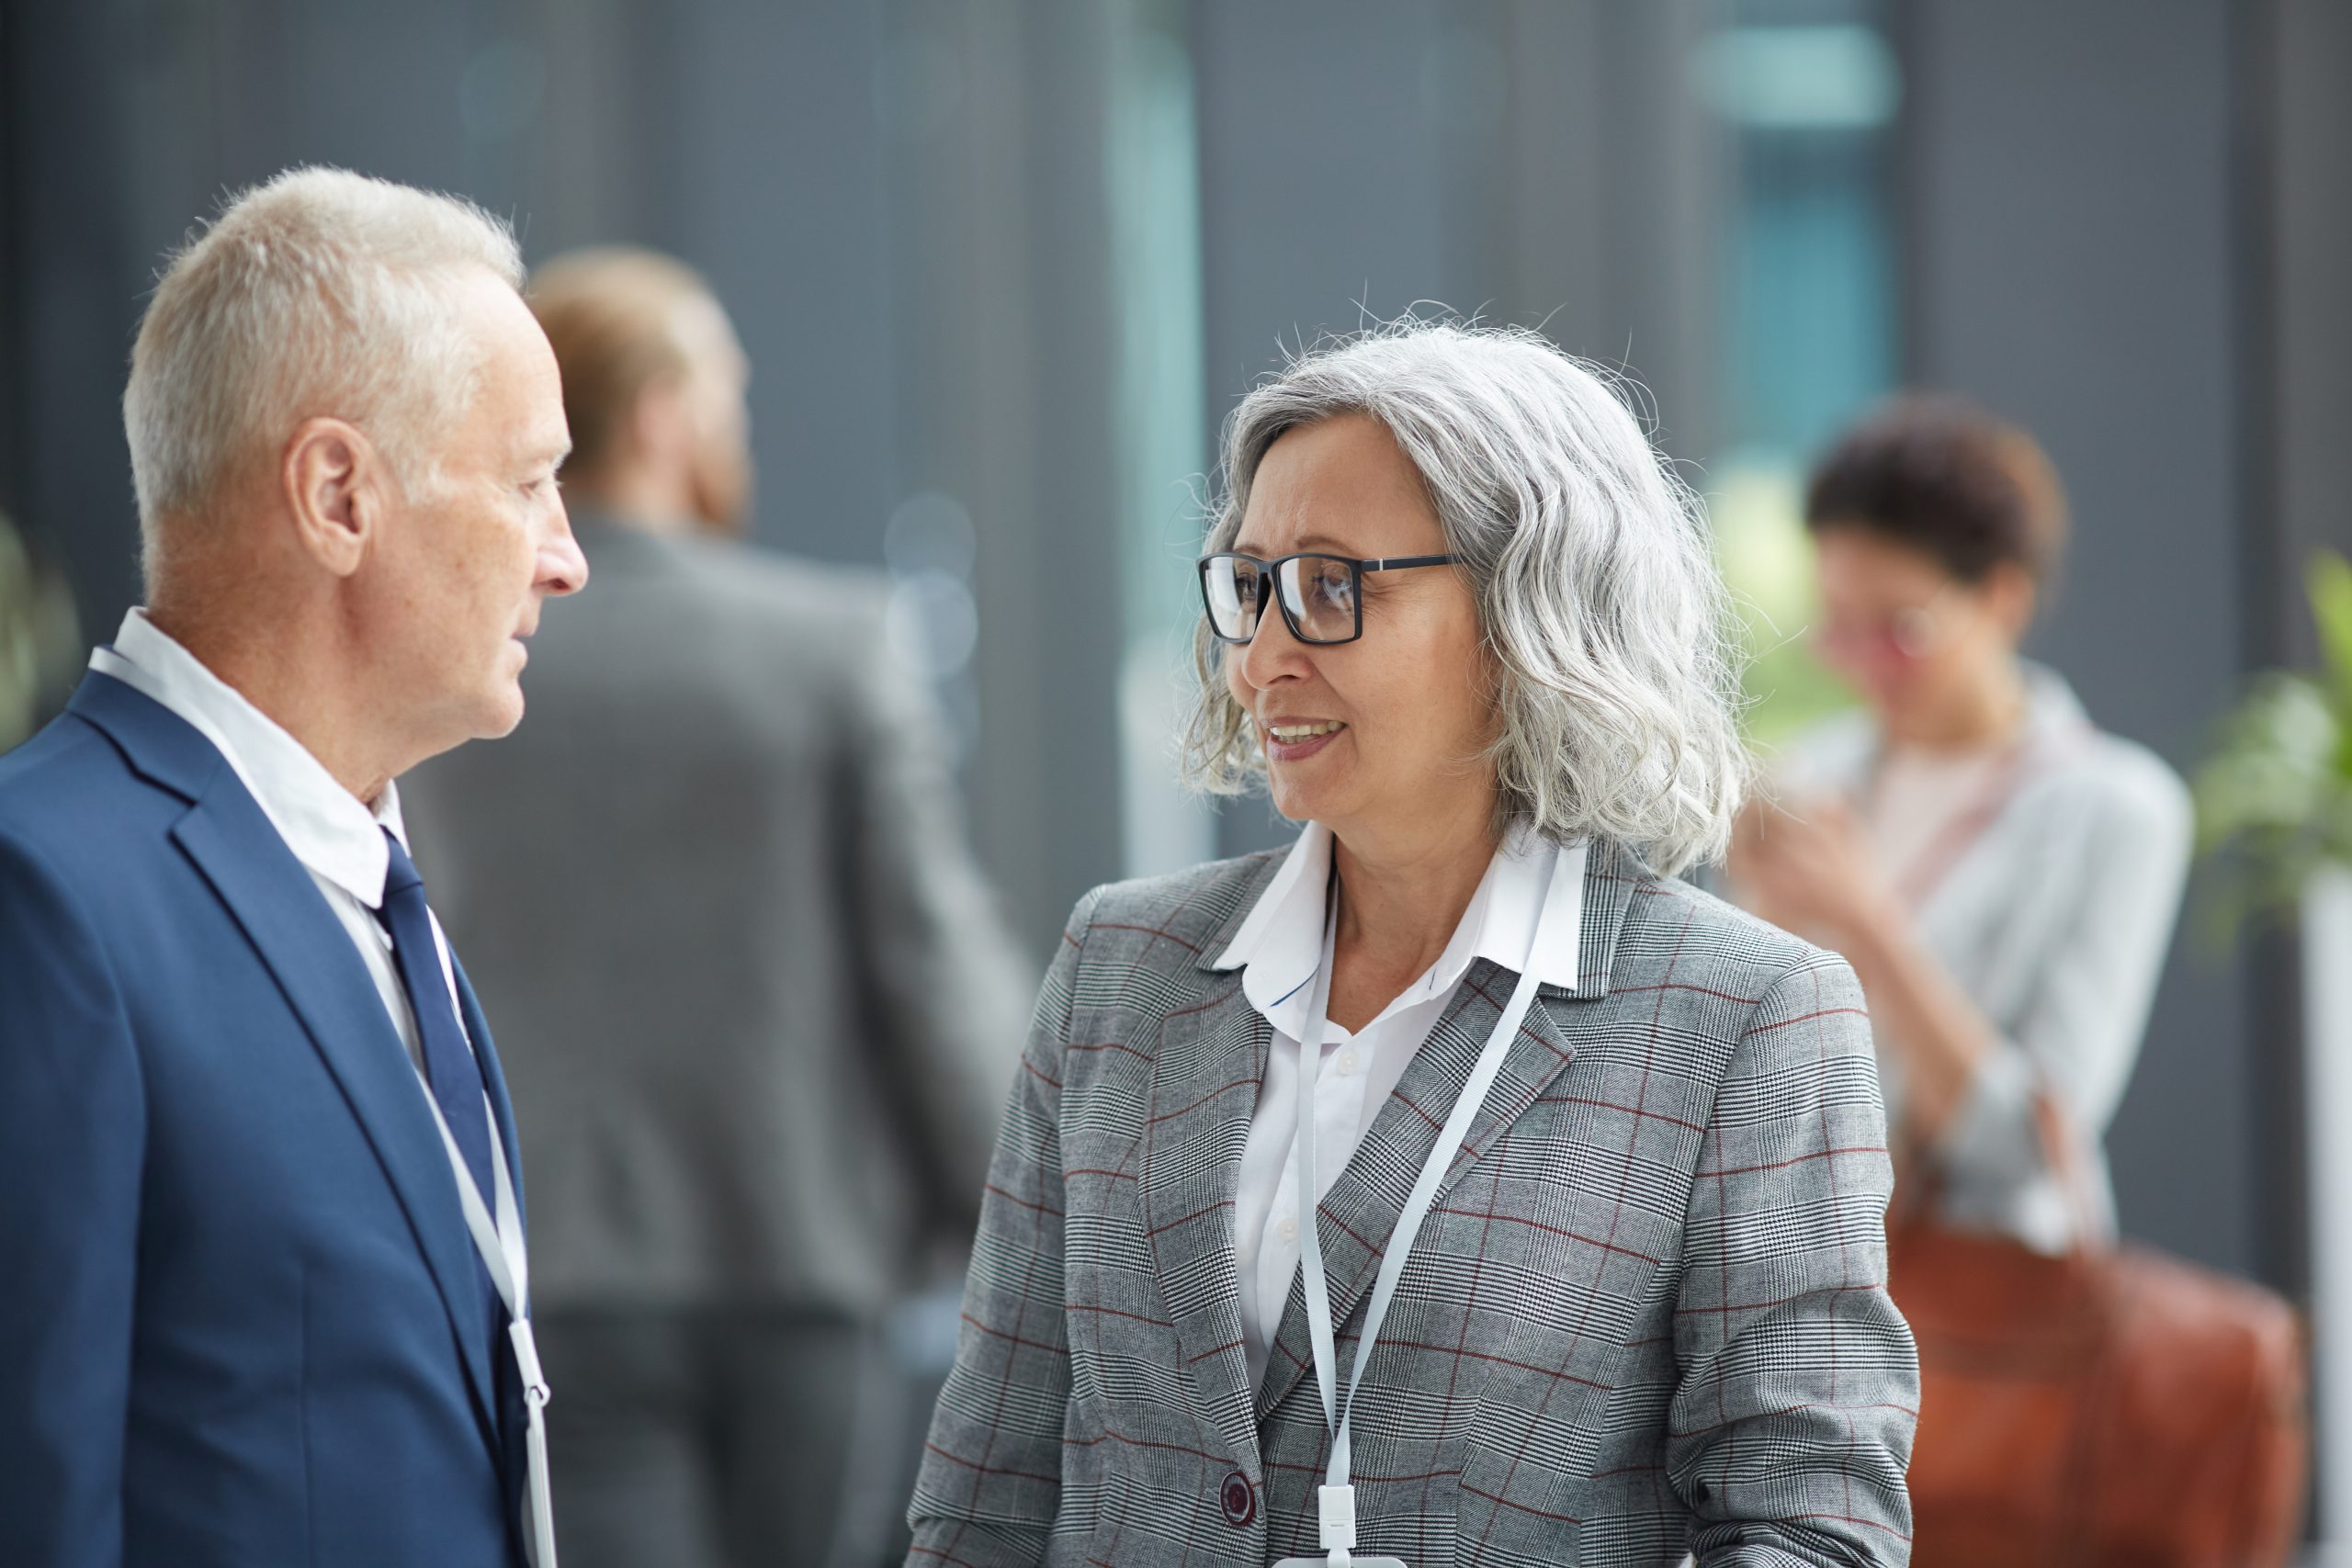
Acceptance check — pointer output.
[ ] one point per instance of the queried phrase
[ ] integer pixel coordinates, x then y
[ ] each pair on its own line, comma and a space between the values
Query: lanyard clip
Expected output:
1336, 1510
526, 1360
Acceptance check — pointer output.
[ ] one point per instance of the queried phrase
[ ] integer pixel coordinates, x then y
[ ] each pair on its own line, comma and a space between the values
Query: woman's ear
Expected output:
2012, 595
337, 490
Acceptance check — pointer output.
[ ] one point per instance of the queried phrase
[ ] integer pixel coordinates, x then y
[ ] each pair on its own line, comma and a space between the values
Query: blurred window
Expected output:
1153, 170
1808, 92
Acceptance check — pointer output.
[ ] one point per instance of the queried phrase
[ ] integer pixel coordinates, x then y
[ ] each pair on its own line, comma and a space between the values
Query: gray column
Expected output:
2070, 201
998, 238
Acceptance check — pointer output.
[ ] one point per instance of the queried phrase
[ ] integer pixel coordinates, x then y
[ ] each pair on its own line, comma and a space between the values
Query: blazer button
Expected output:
1239, 1499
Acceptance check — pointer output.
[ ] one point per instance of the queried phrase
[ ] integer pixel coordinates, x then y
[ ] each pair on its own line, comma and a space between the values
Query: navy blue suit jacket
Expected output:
240, 1321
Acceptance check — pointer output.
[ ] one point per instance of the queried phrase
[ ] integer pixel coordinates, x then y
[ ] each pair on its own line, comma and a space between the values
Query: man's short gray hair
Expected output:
1595, 581
321, 293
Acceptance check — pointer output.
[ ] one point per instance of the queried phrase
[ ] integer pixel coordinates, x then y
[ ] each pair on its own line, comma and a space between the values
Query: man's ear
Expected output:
661, 425
337, 489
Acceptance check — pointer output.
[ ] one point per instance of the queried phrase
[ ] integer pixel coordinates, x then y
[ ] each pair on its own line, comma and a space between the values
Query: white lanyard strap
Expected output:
1337, 1494
502, 1249
500, 1242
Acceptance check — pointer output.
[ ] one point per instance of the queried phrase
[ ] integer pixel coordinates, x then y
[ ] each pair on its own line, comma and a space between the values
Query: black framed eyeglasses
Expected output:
1321, 596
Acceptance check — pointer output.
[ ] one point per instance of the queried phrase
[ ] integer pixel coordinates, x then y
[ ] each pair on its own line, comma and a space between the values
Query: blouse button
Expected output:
1344, 1064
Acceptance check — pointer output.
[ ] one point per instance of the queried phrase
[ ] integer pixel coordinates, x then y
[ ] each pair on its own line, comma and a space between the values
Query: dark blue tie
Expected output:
450, 1064
456, 1077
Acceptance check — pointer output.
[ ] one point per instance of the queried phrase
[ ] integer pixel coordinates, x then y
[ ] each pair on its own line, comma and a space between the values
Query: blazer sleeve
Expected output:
949, 986
73, 1121
1791, 1428
2098, 958
990, 1482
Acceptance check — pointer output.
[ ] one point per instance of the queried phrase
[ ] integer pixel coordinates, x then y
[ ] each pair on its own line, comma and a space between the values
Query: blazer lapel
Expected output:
298, 937
1205, 1082
1358, 1216
477, 1024
1614, 879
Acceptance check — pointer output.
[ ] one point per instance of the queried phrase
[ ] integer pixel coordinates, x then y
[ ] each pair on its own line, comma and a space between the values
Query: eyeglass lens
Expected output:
1319, 592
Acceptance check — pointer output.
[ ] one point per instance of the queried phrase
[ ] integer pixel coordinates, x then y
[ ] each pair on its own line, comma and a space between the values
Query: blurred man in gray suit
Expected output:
748, 980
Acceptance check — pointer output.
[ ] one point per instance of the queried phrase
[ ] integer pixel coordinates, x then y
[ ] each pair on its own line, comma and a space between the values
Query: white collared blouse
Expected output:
1277, 950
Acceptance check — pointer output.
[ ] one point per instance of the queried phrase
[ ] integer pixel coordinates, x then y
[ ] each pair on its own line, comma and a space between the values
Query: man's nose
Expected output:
562, 569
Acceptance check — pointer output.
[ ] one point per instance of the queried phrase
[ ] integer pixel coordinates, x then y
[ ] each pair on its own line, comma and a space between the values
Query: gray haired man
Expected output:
266, 1296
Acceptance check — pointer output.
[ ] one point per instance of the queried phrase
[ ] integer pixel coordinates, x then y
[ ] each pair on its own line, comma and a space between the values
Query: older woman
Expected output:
1459, 1186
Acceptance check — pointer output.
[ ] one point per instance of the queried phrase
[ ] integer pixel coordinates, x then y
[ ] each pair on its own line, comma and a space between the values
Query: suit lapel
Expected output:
502, 1108
1612, 879
298, 937
1358, 1215
1205, 1082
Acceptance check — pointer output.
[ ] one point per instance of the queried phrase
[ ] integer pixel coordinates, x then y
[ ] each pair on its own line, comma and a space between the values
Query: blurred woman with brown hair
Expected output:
2003, 877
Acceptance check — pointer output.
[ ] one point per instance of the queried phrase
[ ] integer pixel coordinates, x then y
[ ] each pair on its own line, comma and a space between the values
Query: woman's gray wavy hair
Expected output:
1606, 617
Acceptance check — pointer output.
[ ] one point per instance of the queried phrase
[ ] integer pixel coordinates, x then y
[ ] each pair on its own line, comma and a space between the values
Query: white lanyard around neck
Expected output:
501, 1245
1336, 1498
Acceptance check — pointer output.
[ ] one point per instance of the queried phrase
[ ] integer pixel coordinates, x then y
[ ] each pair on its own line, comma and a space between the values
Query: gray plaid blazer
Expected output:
1647, 1316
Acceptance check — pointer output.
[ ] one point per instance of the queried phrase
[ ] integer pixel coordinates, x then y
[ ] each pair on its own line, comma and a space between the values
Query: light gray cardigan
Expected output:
2054, 920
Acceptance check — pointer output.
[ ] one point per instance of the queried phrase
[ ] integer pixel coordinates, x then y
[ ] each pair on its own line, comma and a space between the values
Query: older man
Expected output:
764, 1028
263, 1296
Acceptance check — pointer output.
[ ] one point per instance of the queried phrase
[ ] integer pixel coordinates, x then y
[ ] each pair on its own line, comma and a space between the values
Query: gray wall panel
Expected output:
2071, 207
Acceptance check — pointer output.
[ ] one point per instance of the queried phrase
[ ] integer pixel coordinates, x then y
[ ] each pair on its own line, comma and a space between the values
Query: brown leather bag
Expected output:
2110, 1407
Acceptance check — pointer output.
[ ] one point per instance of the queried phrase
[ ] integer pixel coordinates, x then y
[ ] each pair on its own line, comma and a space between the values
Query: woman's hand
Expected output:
1811, 872
1814, 873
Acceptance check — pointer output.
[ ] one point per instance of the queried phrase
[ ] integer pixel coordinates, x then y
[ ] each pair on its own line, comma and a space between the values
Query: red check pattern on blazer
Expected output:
1647, 1316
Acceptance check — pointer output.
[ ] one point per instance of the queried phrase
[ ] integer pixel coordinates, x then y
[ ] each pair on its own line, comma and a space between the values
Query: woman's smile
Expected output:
1294, 741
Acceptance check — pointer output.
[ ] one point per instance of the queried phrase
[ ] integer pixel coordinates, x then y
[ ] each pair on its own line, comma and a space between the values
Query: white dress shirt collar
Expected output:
323, 823
1281, 942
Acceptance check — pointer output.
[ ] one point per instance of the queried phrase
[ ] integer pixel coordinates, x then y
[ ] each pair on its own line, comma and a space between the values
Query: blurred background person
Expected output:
747, 975
2003, 875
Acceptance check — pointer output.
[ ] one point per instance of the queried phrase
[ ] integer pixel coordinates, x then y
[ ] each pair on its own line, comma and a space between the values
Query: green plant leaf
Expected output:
2328, 581
2274, 794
